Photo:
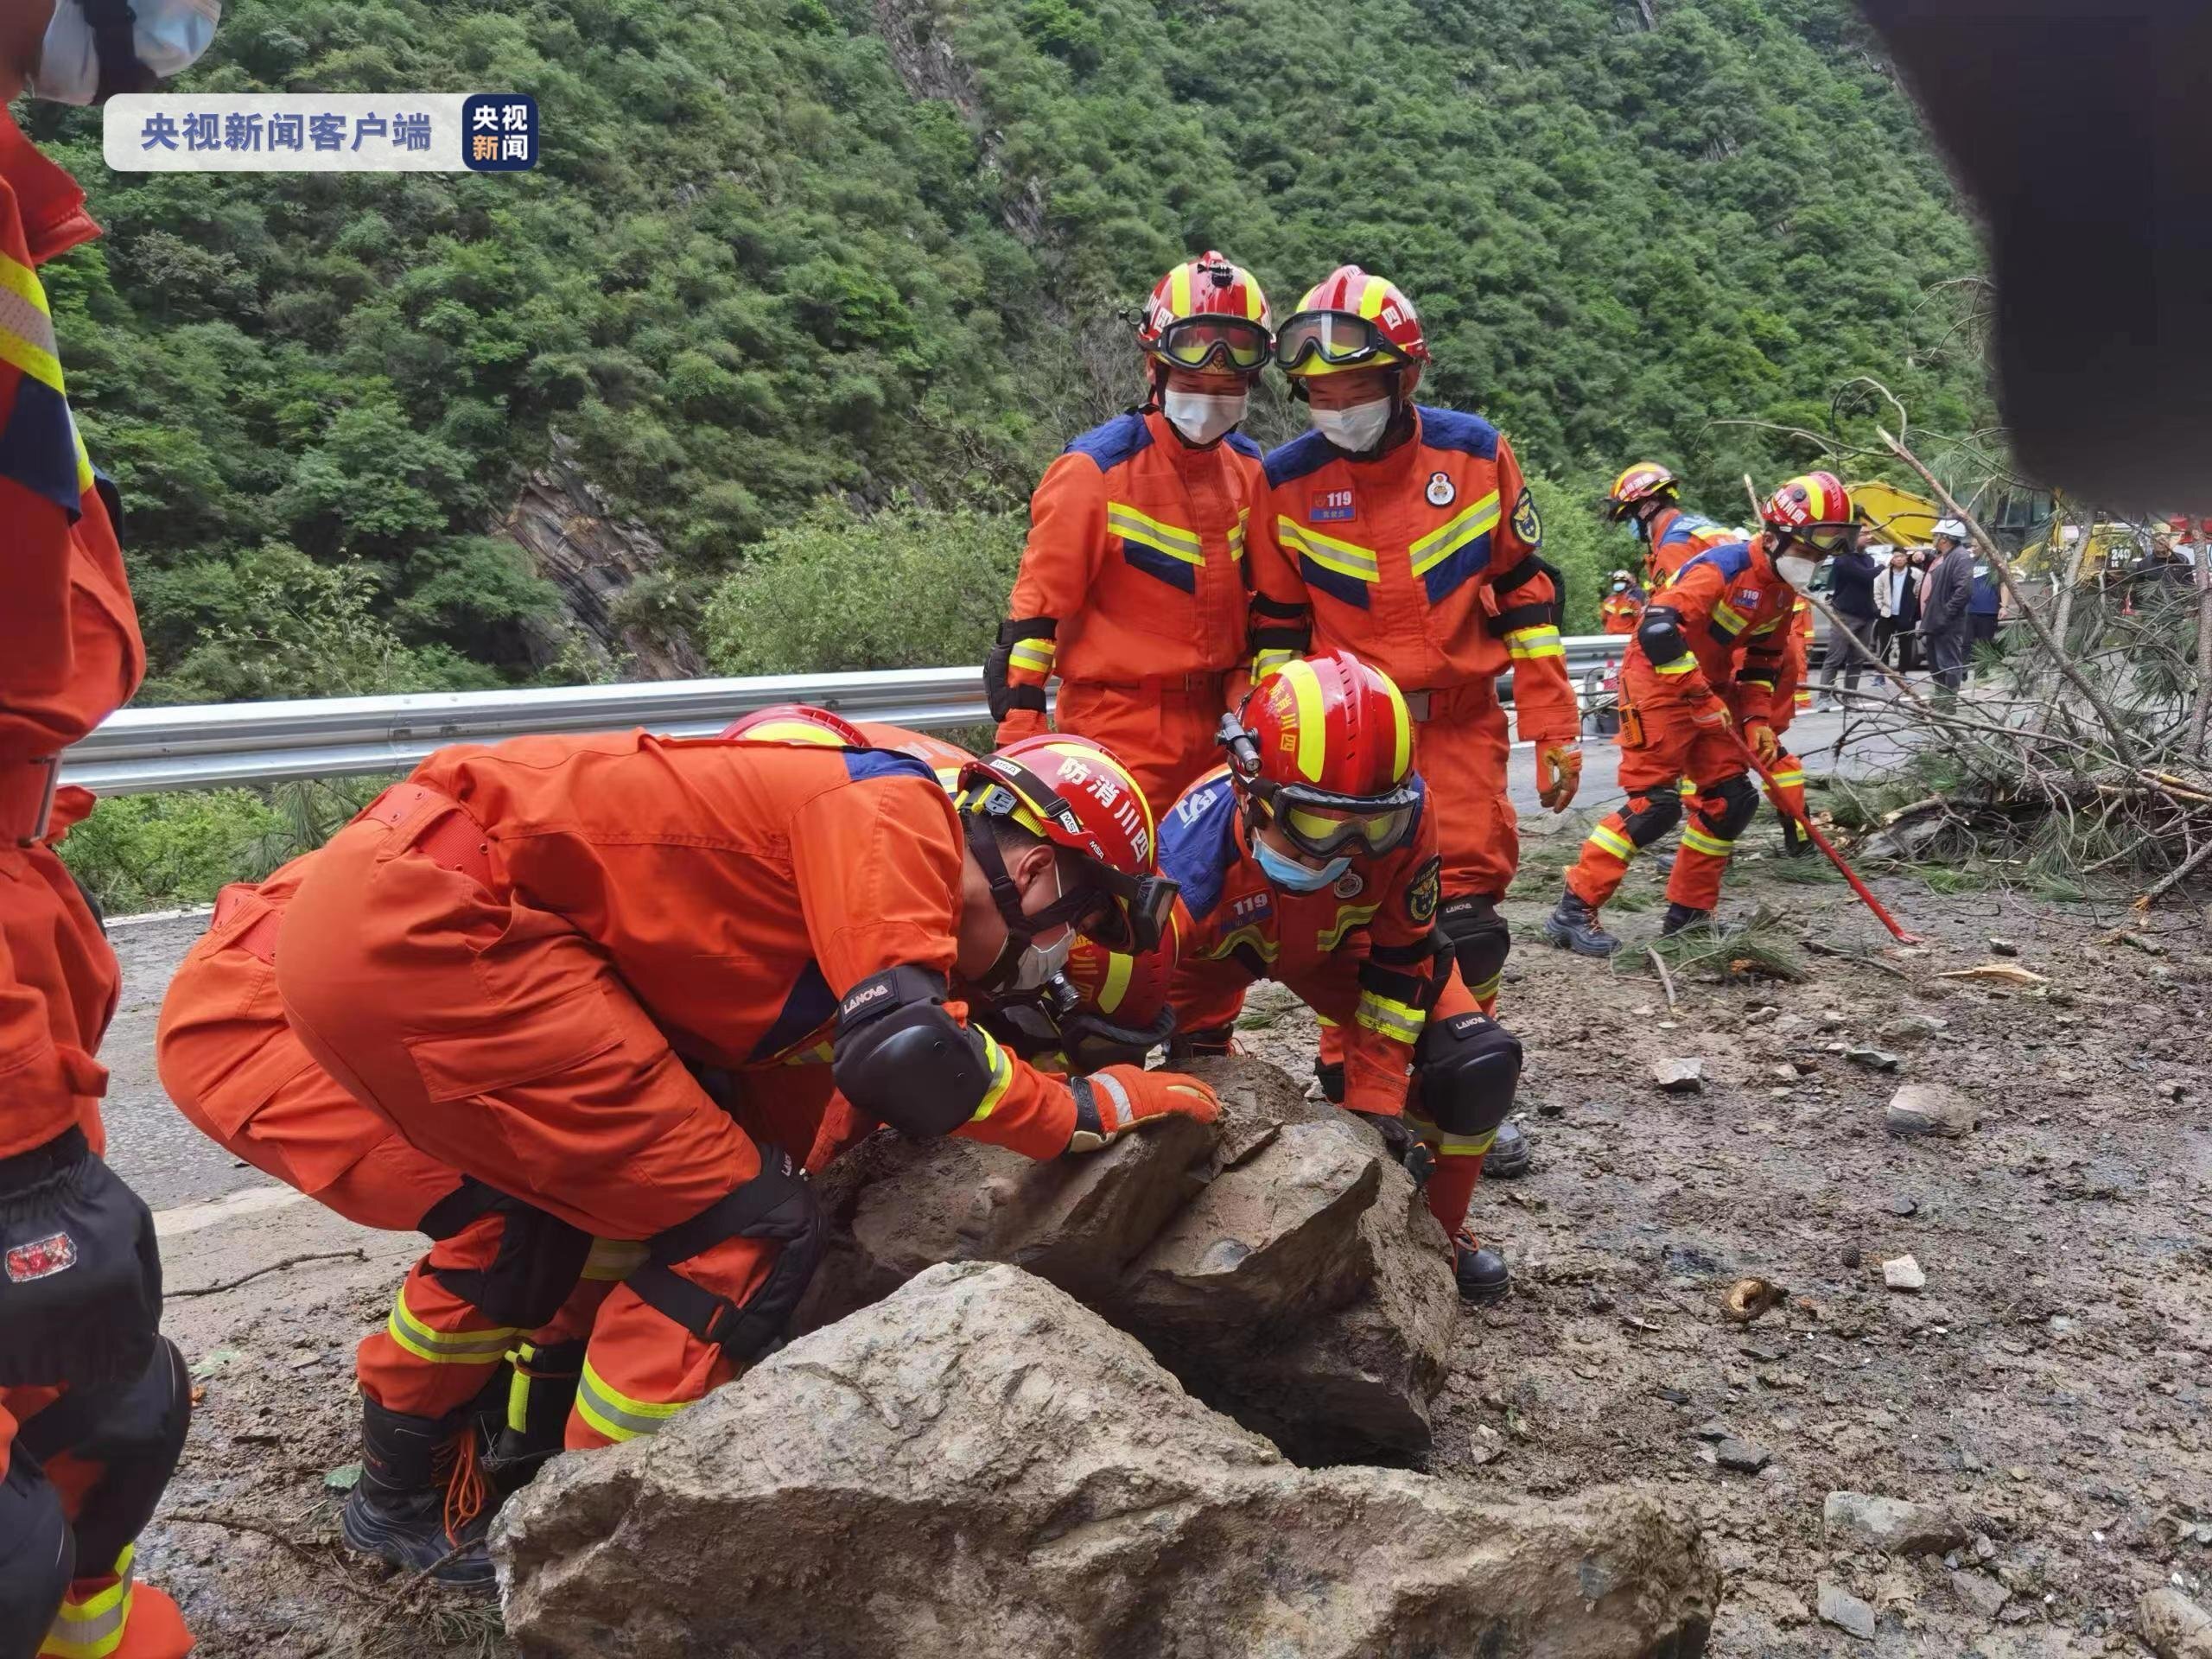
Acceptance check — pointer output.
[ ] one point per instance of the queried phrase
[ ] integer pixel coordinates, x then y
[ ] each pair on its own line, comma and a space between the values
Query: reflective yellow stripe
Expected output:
1119, 966
518, 1388
1236, 534
613, 1259
1387, 1017
25, 326
1541, 641
93, 1628
1122, 519
1265, 663
1179, 291
22, 280
1789, 779
1438, 545
1253, 937
1370, 300
1402, 753
1348, 917
1035, 655
1765, 628
443, 1347
1728, 618
615, 1414
1002, 1076
1313, 718
1684, 664
1606, 839
1488, 988
1346, 558
1698, 841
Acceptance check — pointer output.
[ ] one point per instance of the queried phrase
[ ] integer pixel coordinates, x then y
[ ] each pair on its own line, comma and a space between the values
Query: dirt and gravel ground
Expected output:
2051, 1385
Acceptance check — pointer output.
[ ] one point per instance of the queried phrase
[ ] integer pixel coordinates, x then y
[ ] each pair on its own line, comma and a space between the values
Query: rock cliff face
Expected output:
564, 523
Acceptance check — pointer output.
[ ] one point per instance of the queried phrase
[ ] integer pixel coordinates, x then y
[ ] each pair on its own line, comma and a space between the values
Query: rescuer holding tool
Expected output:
1312, 859
1680, 694
1647, 498
1133, 587
506, 954
1404, 534
94, 1400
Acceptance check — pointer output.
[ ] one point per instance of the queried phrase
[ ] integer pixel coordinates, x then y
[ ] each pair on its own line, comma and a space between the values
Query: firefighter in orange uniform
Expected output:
1133, 586
1681, 693
1312, 859
1404, 534
507, 954
1647, 498
499, 1275
94, 1400
1617, 610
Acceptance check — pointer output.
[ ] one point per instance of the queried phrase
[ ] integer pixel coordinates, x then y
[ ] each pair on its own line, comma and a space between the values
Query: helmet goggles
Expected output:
1338, 339
1320, 824
1122, 912
1824, 539
1215, 342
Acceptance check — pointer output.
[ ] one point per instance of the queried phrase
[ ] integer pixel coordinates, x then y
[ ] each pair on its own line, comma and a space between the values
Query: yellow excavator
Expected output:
1895, 516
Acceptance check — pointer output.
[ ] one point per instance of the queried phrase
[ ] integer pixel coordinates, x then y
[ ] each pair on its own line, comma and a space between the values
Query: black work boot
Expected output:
1574, 926
397, 1511
1507, 1157
1483, 1277
1679, 916
535, 1416
1330, 1075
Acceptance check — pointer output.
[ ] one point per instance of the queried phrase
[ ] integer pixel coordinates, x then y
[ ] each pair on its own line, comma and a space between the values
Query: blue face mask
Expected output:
167, 37
1292, 876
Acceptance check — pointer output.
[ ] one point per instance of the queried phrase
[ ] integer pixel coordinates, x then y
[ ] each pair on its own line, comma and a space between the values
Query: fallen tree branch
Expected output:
2174, 877
1666, 979
355, 1255
315, 1554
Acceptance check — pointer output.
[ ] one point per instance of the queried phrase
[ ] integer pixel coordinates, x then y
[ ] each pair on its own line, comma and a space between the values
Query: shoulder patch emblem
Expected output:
1424, 892
1526, 523
1743, 598
1441, 492
1349, 885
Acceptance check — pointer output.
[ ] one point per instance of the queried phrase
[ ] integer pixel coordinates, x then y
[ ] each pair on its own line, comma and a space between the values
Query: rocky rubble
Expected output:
979, 1467
1281, 1263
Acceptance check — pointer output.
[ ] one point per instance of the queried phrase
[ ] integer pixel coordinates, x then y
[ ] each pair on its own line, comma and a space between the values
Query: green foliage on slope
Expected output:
786, 251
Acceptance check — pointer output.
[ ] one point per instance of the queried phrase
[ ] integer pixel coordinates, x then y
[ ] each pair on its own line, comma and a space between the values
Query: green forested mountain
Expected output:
791, 262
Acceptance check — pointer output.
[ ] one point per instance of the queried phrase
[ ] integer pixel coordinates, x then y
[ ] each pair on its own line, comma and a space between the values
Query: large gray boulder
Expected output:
1281, 1262
978, 1467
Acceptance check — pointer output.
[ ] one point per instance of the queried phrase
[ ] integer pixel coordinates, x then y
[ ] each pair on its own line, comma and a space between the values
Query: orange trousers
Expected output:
1166, 735
238, 1073
1461, 750
499, 1042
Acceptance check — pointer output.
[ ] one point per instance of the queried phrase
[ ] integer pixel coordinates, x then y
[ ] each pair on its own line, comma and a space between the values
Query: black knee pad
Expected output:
1739, 799
538, 1261
1479, 935
38, 1556
135, 1432
1649, 818
777, 1204
1469, 1066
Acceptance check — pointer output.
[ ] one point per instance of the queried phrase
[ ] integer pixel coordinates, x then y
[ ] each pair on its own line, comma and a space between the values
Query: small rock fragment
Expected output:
2002, 947
1980, 1593
1747, 1298
1713, 1429
1743, 1456
1901, 1205
1846, 1611
1930, 1109
1903, 1273
1879, 1060
2173, 1626
1679, 1077
1893, 1525
1909, 1028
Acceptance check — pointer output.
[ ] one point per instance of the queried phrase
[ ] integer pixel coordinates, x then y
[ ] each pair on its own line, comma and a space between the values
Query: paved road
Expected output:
171, 1163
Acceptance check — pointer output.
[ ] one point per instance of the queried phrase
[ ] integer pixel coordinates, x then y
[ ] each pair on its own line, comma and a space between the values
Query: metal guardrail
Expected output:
223, 745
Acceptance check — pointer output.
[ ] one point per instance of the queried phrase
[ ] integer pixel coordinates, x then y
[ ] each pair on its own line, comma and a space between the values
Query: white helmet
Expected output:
1952, 528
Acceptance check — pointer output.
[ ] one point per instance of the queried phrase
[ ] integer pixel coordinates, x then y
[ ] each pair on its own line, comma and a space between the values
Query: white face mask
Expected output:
1204, 416
1355, 430
1796, 569
1039, 963
168, 36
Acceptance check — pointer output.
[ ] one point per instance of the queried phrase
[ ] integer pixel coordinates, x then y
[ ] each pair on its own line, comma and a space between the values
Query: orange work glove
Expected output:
1022, 722
1111, 1102
1559, 773
1760, 735
1712, 715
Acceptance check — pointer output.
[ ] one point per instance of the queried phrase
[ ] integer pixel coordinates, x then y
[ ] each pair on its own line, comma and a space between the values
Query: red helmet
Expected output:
1115, 1008
796, 722
1351, 321
1645, 482
1073, 793
1324, 751
1207, 314
1815, 509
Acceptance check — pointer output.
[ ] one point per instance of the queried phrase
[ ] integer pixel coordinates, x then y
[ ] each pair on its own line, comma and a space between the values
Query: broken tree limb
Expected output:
354, 1254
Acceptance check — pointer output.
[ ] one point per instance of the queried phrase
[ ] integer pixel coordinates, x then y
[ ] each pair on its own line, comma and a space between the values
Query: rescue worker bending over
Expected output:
506, 954
93, 1400
1132, 587
442, 1407
1312, 859
1680, 691
1647, 498
1404, 534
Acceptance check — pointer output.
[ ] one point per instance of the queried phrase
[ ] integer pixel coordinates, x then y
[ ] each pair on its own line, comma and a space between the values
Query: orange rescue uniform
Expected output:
1677, 538
1133, 590
506, 955
70, 655
1725, 598
1617, 613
